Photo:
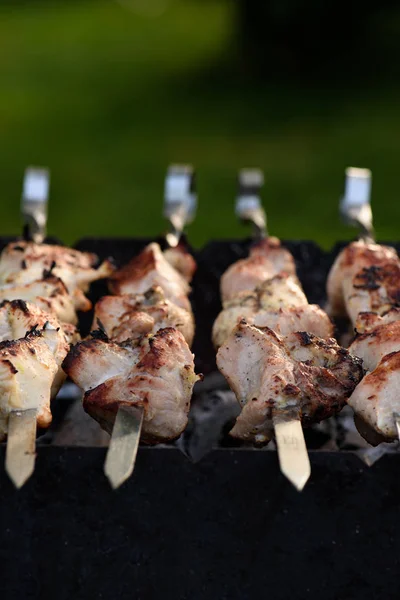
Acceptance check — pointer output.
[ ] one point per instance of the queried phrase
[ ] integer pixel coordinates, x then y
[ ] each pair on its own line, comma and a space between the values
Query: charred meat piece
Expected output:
130, 316
375, 400
374, 289
28, 370
24, 262
351, 262
266, 259
267, 371
50, 294
280, 304
151, 268
155, 371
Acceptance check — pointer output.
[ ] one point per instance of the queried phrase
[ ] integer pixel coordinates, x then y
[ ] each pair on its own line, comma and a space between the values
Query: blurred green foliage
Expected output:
108, 93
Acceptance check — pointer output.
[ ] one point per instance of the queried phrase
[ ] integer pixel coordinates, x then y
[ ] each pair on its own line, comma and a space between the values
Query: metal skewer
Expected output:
34, 203
21, 438
248, 203
292, 451
355, 209
179, 208
180, 201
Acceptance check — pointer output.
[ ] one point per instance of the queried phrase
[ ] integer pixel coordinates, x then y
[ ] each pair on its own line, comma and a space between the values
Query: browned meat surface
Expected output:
355, 275
150, 268
50, 294
25, 262
376, 399
373, 346
28, 370
266, 259
155, 371
269, 372
130, 316
280, 304
367, 321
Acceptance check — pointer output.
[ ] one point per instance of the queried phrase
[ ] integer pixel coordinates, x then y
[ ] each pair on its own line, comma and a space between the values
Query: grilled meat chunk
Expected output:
155, 371
50, 294
280, 304
351, 275
151, 268
266, 259
130, 316
367, 321
373, 346
374, 289
182, 261
28, 369
25, 262
18, 317
375, 400
268, 372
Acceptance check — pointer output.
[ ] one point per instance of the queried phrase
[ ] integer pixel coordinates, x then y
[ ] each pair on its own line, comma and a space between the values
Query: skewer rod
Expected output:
292, 451
21, 446
122, 451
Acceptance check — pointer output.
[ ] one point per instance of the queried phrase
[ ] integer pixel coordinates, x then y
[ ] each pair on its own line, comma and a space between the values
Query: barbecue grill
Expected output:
226, 526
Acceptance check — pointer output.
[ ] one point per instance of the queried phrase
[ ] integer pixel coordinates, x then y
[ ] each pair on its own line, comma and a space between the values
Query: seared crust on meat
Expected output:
267, 371
155, 371
51, 295
130, 316
375, 397
24, 262
266, 259
148, 269
352, 266
279, 303
29, 367
374, 345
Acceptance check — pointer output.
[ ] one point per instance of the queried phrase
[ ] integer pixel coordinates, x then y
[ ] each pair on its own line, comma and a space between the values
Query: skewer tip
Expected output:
122, 451
292, 451
21, 443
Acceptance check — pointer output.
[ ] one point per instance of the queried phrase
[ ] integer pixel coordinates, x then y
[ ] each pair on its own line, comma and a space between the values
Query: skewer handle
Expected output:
34, 201
355, 207
180, 200
124, 443
248, 203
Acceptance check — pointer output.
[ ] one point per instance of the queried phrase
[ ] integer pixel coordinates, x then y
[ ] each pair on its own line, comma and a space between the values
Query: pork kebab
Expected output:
278, 355
275, 320
137, 370
364, 285
41, 288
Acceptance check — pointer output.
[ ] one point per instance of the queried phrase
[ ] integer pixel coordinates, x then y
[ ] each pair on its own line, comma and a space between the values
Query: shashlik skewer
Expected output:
28, 272
143, 376
364, 284
269, 259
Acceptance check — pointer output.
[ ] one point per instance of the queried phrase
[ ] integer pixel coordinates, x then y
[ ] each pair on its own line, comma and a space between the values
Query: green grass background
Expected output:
108, 93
